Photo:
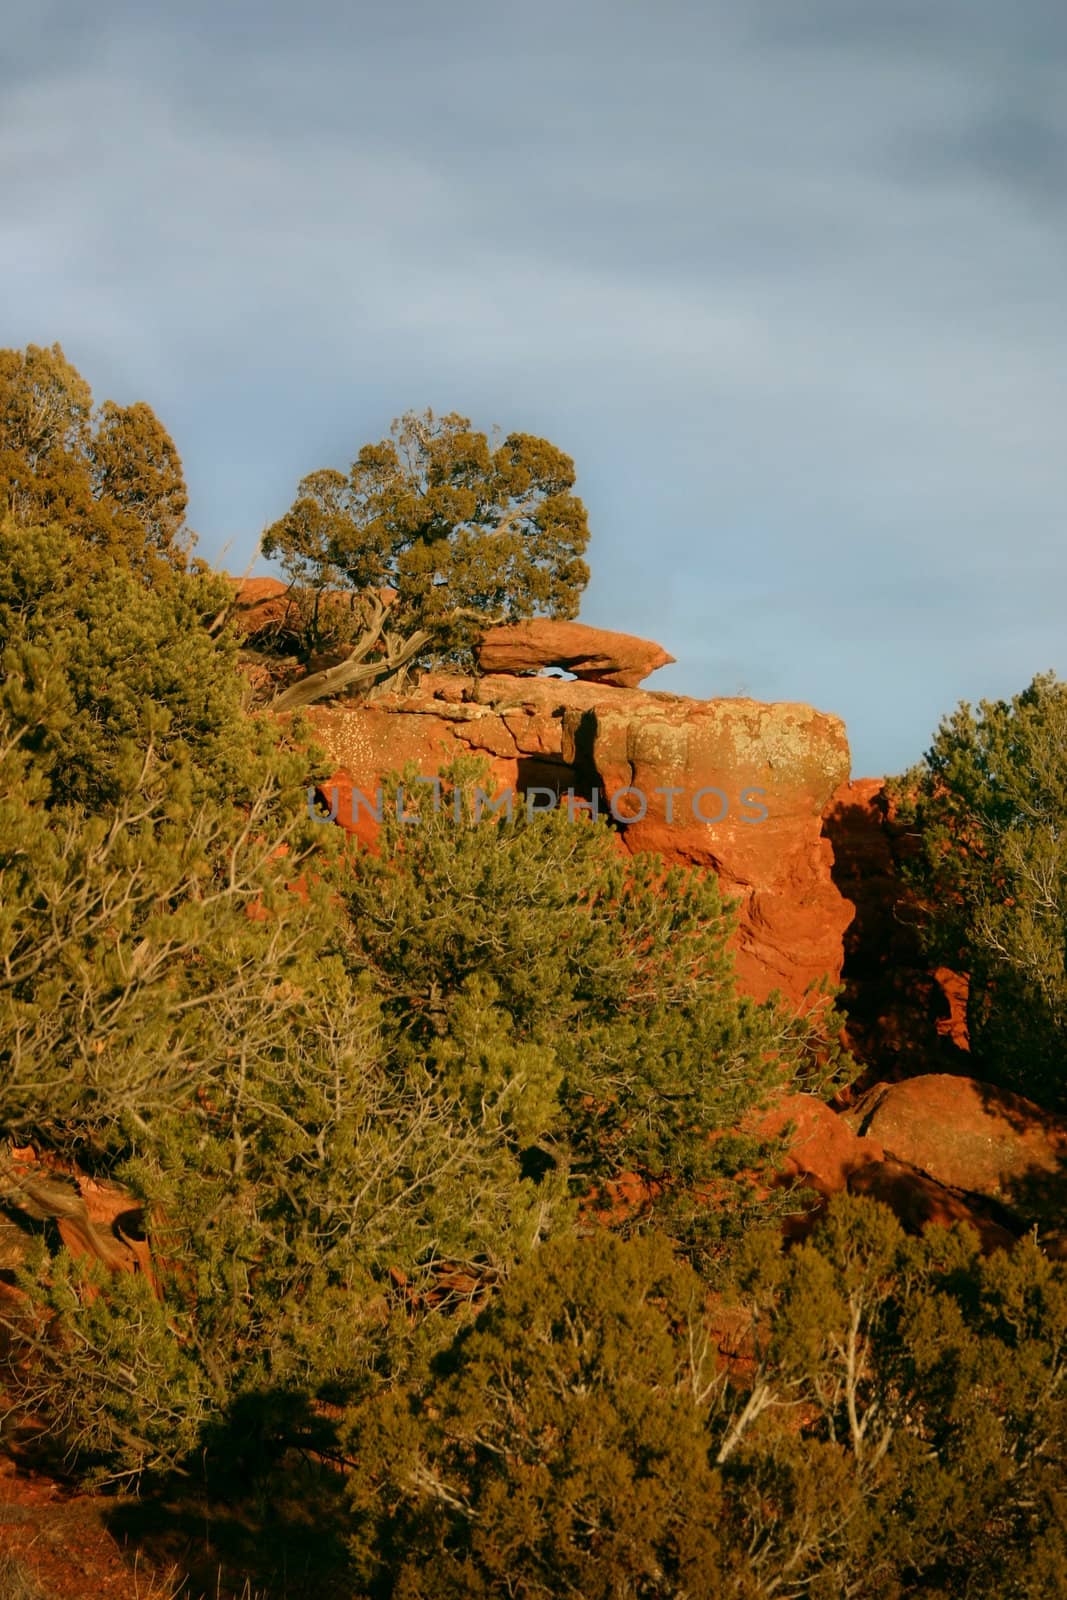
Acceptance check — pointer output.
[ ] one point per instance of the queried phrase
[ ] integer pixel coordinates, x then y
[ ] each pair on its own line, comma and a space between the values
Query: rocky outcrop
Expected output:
734, 786
593, 655
935, 1149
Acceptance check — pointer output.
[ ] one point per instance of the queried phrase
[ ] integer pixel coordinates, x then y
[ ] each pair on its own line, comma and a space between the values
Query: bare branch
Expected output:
354, 672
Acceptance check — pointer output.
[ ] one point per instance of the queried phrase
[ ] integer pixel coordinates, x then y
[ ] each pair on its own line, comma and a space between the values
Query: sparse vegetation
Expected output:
16, 1580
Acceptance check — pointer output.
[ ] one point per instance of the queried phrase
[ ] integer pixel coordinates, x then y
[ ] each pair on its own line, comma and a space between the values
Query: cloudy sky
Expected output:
785, 277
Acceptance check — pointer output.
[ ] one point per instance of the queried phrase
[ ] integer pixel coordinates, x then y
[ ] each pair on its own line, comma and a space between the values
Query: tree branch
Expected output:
354, 672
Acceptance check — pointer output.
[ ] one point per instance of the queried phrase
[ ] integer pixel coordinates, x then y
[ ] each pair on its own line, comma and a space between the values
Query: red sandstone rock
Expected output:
102, 1221
112, 1230
955, 987
260, 603
562, 735
826, 1153
823, 1149
971, 1136
767, 771
593, 654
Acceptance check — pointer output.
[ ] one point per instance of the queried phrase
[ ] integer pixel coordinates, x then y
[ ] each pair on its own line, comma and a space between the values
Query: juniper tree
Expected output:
988, 809
112, 476
561, 1448
461, 530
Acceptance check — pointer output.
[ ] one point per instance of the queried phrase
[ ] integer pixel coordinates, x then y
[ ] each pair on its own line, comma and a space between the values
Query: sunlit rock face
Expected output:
595, 655
734, 786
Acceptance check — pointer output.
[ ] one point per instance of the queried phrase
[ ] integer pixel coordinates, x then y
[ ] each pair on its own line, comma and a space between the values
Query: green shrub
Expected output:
99, 669
591, 1000
895, 1425
560, 1448
988, 805
912, 1436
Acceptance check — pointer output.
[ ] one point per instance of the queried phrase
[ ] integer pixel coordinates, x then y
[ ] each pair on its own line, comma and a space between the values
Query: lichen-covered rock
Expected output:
828, 1154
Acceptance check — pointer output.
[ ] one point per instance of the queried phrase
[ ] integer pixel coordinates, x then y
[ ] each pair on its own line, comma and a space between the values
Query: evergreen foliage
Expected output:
97, 668
989, 807
895, 1425
559, 1448
463, 530
370, 1101
592, 999
112, 476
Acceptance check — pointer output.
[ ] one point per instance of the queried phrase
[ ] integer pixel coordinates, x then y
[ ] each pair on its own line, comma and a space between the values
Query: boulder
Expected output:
738, 787
824, 1151
594, 655
974, 1137
918, 1202
827, 1153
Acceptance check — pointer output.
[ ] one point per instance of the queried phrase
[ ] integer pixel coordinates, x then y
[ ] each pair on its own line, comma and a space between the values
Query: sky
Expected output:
784, 277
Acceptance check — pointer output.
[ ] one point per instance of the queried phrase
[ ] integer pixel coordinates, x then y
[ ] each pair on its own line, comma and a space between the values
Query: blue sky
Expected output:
785, 277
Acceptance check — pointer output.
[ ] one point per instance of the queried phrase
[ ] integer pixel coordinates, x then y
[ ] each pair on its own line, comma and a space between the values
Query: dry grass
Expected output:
16, 1580
169, 1585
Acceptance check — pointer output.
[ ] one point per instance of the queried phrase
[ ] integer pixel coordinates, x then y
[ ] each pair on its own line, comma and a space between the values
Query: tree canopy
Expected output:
112, 475
464, 530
